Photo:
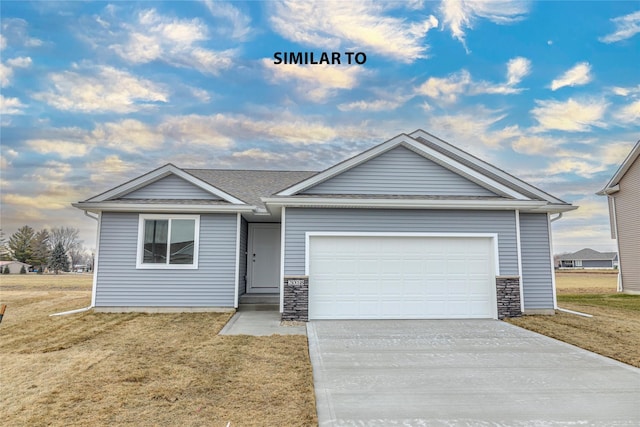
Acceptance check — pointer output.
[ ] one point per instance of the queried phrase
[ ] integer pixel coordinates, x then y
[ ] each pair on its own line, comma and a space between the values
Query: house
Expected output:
588, 258
411, 228
14, 266
623, 195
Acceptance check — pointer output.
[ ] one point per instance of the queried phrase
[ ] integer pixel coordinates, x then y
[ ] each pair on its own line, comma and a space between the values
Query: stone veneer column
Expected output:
296, 298
508, 296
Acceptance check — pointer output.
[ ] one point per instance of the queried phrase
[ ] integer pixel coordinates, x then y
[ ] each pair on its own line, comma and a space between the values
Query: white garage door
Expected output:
401, 277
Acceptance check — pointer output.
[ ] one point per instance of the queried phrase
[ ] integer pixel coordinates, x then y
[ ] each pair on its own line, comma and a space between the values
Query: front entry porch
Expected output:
261, 290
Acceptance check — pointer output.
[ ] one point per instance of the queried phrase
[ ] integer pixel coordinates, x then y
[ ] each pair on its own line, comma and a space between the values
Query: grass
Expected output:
133, 368
614, 329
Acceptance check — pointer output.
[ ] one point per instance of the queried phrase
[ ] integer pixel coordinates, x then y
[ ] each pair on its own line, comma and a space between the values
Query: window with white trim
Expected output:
168, 241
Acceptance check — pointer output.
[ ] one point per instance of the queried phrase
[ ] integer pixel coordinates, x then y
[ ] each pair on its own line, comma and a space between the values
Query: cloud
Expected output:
574, 166
15, 31
626, 27
448, 89
467, 128
315, 82
196, 129
171, 40
579, 75
377, 105
100, 89
537, 145
332, 25
570, 115
3, 42
64, 149
625, 91
10, 106
629, 114
131, 136
239, 22
517, 69
461, 14
104, 170
6, 70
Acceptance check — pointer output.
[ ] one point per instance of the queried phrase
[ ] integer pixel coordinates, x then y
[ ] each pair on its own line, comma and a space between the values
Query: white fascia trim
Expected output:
283, 226
96, 263
159, 207
612, 185
422, 149
519, 249
158, 174
236, 293
196, 243
493, 169
309, 234
410, 203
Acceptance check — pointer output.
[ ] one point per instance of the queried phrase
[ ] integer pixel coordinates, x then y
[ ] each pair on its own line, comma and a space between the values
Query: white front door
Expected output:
263, 258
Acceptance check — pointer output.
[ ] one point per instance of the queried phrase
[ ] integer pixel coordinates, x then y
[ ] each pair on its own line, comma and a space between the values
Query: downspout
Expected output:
556, 218
95, 272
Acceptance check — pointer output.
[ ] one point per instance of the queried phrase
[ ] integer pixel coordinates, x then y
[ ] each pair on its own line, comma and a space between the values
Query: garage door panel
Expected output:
400, 277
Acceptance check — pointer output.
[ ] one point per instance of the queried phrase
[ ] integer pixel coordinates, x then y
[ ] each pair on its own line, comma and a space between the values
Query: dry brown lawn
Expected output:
614, 329
138, 369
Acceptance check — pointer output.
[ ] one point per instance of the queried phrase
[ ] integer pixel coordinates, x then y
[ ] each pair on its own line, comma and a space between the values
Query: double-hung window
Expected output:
168, 241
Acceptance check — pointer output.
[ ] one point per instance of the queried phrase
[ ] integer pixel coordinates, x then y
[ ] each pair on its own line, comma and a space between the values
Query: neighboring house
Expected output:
412, 228
623, 195
14, 266
588, 258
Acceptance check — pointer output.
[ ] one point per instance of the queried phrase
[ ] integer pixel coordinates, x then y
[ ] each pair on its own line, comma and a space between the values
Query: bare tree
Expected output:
68, 237
5, 255
78, 257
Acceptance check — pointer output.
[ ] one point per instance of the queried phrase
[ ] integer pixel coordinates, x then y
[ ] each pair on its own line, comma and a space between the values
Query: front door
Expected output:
263, 258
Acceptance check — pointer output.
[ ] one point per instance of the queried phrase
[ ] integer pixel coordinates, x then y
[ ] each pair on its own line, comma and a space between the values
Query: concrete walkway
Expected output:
259, 323
463, 373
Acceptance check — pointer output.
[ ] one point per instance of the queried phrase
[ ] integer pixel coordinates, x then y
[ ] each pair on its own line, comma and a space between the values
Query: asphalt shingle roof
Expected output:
589, 254
250, 185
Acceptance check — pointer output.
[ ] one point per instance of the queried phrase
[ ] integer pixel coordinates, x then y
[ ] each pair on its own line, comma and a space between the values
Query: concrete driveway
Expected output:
463, 373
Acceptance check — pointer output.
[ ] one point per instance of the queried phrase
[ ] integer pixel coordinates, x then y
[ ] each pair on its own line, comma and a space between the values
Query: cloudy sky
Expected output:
96, 93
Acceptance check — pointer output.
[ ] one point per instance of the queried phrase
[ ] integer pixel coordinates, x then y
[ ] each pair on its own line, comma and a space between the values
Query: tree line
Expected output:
58, 249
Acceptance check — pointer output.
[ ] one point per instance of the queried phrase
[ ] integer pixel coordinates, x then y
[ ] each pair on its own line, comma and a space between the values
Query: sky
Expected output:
96, 93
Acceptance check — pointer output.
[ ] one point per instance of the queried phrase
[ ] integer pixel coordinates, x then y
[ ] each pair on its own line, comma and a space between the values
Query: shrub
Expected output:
23, 270
6, 270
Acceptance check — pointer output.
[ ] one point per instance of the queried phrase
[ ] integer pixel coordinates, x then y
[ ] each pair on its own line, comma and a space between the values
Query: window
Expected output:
168, 241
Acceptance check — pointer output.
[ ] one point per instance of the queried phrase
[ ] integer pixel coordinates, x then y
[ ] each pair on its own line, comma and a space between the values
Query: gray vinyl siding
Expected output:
595, 263
536, 261
120, 284
400, 171
299, 221
171, 187
627, 202
242, 268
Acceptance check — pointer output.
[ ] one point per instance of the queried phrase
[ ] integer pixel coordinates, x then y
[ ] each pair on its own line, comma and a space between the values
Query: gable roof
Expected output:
483, 167
451, 158
590, 255
156, 175
612, 185
255, 190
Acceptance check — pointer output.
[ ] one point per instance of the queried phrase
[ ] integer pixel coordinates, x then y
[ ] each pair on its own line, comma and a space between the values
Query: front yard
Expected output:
136, 369
614, 329
173, 369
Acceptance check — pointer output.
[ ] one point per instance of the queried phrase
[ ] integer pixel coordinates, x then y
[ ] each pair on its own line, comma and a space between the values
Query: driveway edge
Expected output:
324, 408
